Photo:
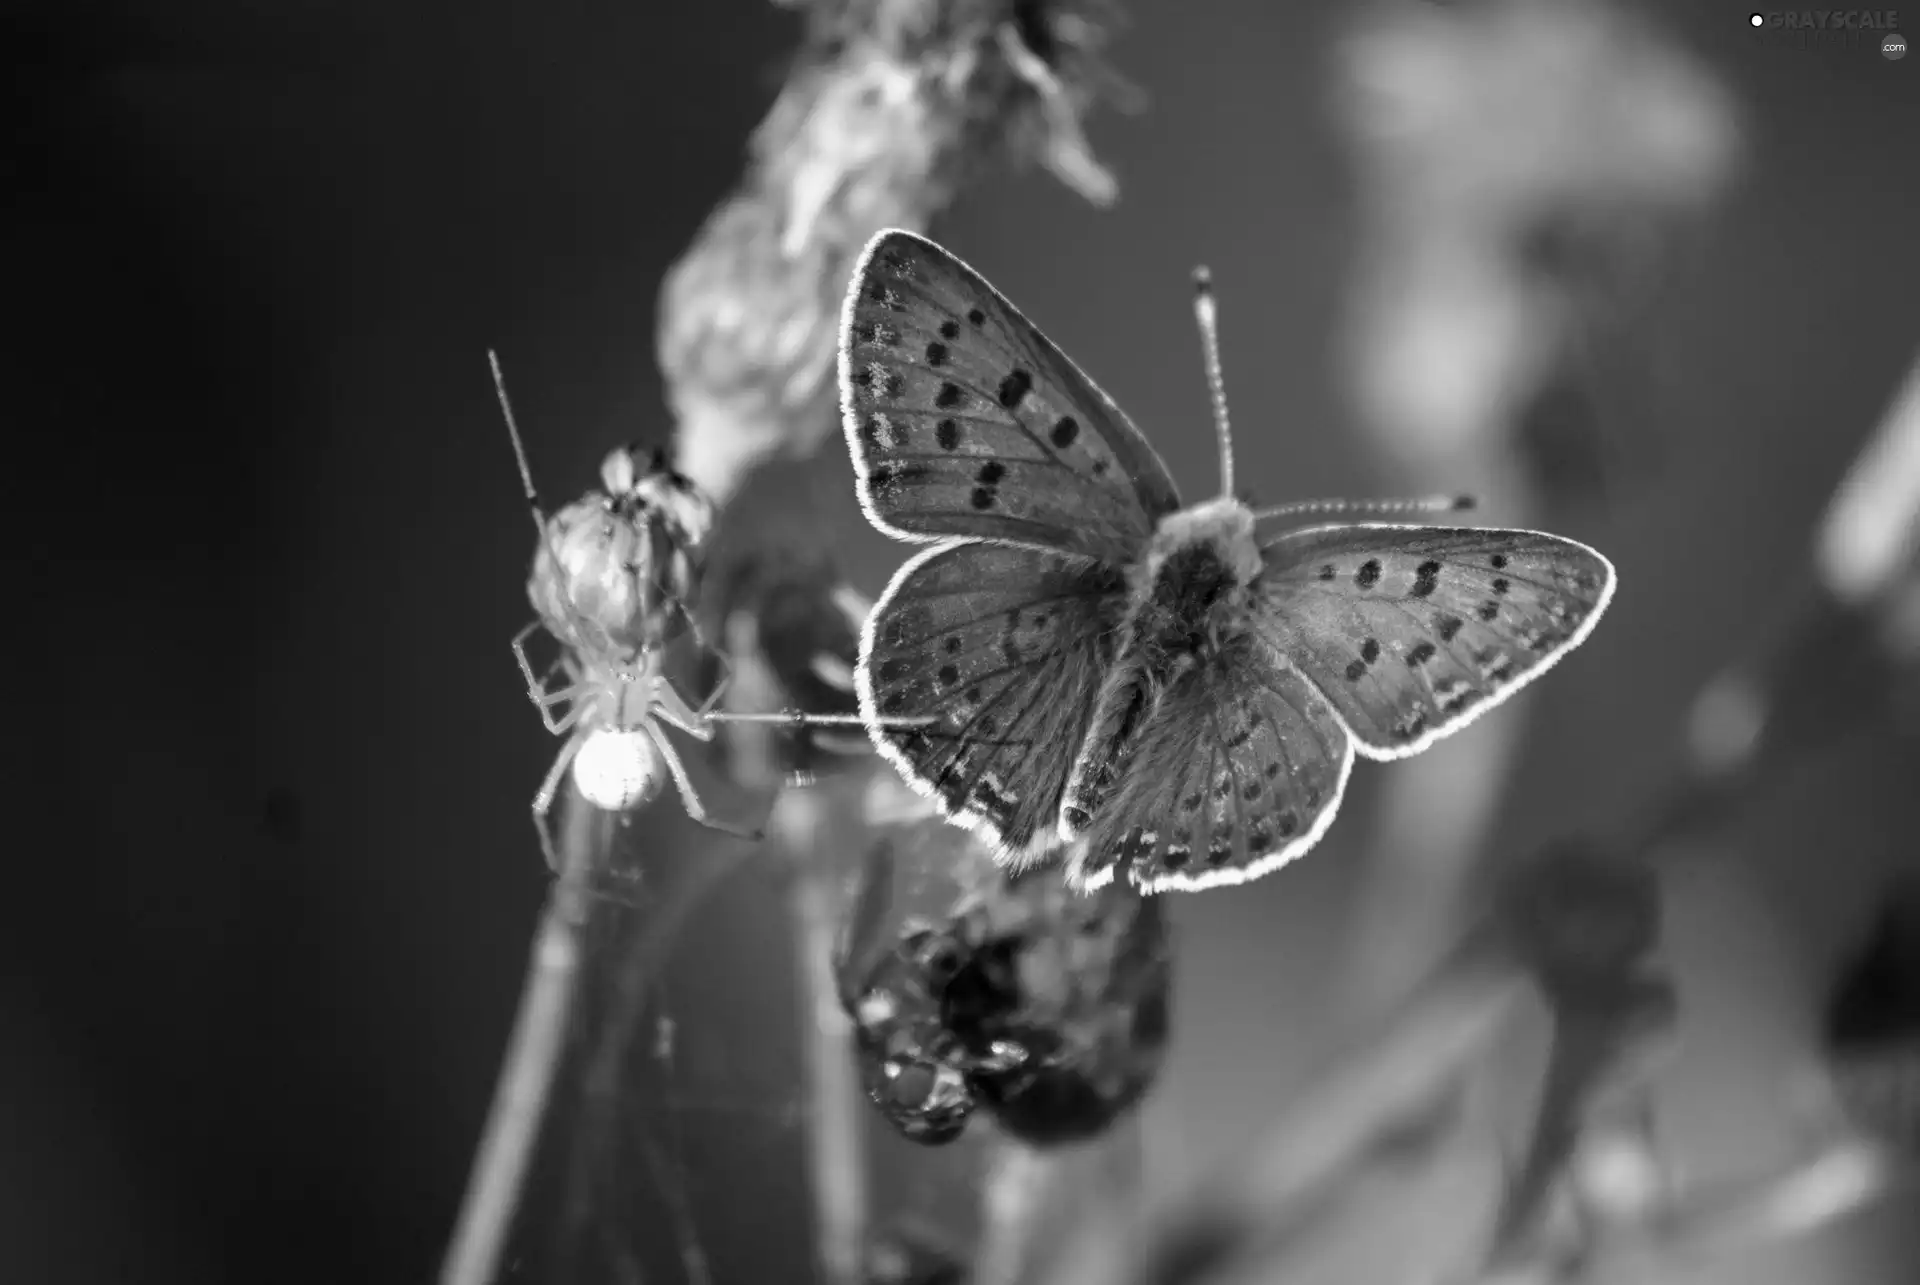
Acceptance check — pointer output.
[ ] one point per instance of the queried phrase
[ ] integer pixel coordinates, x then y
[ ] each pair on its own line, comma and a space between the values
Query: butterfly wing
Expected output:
964, 420
1238, 769
1412, 632
1002, 647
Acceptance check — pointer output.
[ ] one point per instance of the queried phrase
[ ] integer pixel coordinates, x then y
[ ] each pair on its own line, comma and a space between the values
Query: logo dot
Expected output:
1756, 20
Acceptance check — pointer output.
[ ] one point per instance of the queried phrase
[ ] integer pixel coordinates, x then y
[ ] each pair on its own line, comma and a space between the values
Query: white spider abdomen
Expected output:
617, 768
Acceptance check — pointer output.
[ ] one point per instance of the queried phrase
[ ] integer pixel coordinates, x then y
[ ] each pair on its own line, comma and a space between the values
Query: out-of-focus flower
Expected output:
1044, 1007
909, 1257
1873, 1027
1521, 163
892, 106
788, 606
1849, 659
1869, 547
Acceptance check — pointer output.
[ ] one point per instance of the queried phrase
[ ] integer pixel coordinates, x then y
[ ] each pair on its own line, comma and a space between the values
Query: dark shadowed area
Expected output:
274, 881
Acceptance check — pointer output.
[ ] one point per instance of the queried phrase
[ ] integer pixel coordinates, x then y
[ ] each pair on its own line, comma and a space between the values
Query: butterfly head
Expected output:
1191, 592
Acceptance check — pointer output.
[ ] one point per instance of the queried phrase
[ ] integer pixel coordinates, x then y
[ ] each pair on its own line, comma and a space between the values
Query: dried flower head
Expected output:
788, 604
892, 106
1049, 1006
620, 567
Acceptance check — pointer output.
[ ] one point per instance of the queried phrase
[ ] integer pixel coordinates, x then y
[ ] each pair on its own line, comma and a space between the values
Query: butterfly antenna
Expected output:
519, 449
1378, 508
1208, 317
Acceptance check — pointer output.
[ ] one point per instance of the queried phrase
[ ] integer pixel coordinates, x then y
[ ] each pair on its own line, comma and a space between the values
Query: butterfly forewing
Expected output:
1237, 770
965, 421
1411, 632
1002, 647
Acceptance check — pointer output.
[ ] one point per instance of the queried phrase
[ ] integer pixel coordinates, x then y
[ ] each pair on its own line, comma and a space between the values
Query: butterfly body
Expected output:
1176, 692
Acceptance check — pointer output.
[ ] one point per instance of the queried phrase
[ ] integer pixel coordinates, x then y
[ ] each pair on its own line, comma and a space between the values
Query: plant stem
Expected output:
526, 1076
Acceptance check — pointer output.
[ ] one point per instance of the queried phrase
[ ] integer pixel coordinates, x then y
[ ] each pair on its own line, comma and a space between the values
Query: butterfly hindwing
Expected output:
1237, 769
963, 420
1411, 632
1002, 647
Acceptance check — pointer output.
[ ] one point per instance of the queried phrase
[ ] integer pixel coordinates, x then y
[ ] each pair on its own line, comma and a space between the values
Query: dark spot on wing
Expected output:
893, 701
949, 330
880, 475
1489, 609
947, 434
936, 353
1259, 837
1449, 626
976, 316
948, 396
1499, 561
1356, 670
1420, 654
949, 675
862, 377
1192, 802
1223, 787
892, 383
1326, 571
895, 667
1426, 578
1369, 574
952, 645
974, 695
1099, 467
1288, 823
1501, 584
1251, 790
1273, 769
1014, 388
982, 497
1370, 650
1065, 431
990, 473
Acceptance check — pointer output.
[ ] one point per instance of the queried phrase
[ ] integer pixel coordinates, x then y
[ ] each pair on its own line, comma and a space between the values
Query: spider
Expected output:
614, 576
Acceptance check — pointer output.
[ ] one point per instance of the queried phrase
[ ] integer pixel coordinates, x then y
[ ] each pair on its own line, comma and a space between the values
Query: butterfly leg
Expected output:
543, 800
689, 799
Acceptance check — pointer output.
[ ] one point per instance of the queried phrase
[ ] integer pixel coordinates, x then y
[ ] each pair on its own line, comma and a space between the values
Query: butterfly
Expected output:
1176, 692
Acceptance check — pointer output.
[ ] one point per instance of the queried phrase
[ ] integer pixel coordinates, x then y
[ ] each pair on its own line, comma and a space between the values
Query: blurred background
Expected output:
274, 884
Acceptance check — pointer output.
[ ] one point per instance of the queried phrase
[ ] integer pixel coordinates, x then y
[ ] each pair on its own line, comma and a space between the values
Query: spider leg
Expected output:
666, 701
688, 798
720, 684
537, 691
543, 800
